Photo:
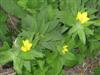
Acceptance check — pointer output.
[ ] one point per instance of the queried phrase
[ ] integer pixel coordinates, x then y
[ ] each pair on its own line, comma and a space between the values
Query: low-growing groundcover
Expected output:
49, 34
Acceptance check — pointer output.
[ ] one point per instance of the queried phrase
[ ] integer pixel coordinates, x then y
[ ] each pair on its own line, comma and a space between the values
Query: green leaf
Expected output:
42, 22
81, 34
26, 56
22, 3
12, 8
73, 30
97, 33
97, 71
30, 55
5, 47
29, 23
41, 64
48, 45
67, 18
3, 16
70, 5
3, 26
5, 57
52, 25
26, 73
51, 12
64, 29
97, 22
37, 54
53, 36
27, 65
78, 29
69, 59
39, 72
34, 4
56, 65
88, 31
99, 2
18, 64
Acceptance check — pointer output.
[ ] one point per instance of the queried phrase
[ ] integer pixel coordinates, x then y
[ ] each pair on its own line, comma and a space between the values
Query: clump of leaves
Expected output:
51, 35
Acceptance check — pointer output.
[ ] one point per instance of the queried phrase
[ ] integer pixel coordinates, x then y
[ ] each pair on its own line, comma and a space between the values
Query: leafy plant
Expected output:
53, 34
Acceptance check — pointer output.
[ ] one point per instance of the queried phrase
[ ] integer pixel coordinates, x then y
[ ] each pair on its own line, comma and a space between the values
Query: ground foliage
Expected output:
50, 26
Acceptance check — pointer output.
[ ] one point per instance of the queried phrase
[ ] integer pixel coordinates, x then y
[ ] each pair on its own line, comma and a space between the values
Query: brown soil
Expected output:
87, 68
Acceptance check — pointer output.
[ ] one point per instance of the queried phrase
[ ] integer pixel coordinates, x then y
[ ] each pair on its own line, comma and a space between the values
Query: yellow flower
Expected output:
65, 49
26, 46
82, 17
